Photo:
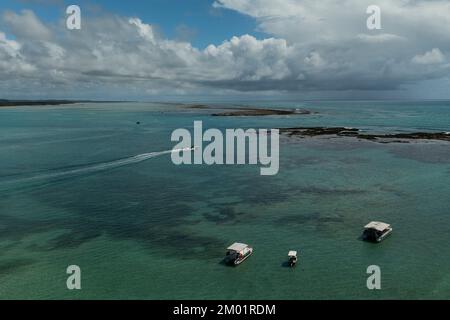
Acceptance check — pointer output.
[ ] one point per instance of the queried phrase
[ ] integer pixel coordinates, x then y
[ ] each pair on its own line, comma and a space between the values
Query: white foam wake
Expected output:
88, 169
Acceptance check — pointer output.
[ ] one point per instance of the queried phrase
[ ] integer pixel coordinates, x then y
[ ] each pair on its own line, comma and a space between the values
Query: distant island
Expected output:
248, 111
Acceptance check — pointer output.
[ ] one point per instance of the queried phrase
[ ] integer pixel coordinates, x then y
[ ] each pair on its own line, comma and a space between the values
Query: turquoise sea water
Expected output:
72, 191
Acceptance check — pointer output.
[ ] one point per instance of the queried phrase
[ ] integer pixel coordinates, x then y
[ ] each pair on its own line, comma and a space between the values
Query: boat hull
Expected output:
384, 235
377, 239
292, 263
240, 260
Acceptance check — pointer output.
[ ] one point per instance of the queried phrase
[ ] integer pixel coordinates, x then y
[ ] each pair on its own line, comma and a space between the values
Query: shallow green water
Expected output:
152, 230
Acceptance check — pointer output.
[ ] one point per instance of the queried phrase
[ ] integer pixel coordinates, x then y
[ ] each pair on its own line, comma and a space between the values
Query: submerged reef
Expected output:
356, 133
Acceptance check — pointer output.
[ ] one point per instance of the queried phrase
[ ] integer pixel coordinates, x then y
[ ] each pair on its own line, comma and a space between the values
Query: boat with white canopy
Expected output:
238, 253
376, 231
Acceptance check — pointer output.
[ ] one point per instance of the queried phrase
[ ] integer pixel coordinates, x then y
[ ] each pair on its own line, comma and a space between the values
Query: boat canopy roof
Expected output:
292, 253
379, 226
237, 246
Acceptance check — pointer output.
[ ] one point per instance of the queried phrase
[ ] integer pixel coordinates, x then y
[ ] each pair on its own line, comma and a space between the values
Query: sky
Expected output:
225, 49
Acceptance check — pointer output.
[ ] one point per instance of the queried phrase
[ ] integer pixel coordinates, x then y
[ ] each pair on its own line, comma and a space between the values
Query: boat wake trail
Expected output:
87, 169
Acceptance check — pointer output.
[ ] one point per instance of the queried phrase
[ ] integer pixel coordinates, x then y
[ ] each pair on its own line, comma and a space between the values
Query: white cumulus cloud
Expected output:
310, 46
431, 57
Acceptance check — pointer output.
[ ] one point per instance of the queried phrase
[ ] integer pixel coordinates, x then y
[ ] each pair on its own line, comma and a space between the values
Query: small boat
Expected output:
292, 258
376, 231
192, 148
237, 253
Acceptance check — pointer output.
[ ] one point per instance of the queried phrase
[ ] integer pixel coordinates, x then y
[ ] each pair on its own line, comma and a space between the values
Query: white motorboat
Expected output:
238, 253
376, 231
292, 255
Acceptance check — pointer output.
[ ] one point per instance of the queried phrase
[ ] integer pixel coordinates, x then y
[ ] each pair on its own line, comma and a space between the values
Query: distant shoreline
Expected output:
23, 103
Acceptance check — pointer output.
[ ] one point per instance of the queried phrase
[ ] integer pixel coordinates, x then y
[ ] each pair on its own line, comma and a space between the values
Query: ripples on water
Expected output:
149, 229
